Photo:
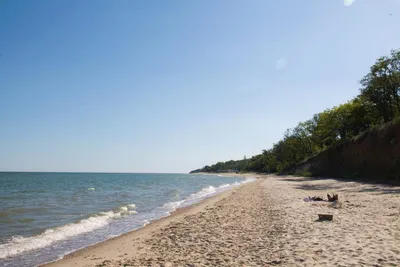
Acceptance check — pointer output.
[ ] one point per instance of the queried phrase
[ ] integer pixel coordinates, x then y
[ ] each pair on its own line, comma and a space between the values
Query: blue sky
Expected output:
170, 86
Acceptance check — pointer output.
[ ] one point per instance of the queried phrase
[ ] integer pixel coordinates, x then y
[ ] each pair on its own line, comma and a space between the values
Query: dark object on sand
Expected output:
332, 198
308, 199
325, 217
316, 198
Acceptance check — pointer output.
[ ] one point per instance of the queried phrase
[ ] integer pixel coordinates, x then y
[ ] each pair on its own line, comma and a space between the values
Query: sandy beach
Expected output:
265, 223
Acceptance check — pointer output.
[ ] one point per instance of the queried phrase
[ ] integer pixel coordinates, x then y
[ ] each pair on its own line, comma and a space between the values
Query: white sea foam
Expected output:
202, 194
131, 206
171, 206
123, 209
19, 244
91, 189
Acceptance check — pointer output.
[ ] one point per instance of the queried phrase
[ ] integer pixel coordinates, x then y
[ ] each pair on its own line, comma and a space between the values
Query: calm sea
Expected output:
43, 216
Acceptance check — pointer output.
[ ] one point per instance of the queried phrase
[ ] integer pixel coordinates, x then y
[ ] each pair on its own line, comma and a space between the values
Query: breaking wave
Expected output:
19, 244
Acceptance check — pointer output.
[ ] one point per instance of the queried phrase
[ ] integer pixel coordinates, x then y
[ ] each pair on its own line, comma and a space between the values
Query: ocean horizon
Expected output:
46, 215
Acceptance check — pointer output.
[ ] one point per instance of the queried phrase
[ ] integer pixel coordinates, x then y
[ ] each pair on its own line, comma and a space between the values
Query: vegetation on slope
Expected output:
374, 154
377, 103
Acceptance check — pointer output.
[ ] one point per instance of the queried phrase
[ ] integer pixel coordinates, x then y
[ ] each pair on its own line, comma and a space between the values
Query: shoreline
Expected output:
145, 230
265, 223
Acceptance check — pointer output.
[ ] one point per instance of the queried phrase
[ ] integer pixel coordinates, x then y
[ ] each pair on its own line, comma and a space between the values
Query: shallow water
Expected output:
46, 215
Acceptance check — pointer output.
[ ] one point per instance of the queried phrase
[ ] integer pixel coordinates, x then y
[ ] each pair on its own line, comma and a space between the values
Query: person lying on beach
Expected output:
334, 197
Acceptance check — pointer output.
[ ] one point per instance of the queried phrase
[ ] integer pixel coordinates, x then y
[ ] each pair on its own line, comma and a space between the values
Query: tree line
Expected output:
378, 102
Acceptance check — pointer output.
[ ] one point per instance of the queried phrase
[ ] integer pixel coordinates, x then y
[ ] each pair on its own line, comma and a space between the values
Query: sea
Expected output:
44, 216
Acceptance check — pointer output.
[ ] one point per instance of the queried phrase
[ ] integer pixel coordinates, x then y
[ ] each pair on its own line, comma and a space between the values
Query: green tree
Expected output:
382, 84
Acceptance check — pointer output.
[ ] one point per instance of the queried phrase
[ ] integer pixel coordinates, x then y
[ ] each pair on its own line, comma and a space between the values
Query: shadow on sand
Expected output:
341, 184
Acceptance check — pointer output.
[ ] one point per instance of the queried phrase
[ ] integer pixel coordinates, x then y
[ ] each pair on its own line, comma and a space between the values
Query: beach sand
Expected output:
265, 223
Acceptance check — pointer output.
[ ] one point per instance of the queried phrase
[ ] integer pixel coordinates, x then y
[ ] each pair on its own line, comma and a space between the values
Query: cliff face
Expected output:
375, 154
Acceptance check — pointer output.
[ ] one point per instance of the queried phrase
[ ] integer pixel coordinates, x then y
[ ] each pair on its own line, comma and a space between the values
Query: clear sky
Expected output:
170, 86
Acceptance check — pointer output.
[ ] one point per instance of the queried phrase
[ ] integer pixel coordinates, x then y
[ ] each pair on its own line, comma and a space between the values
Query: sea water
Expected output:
44, 216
